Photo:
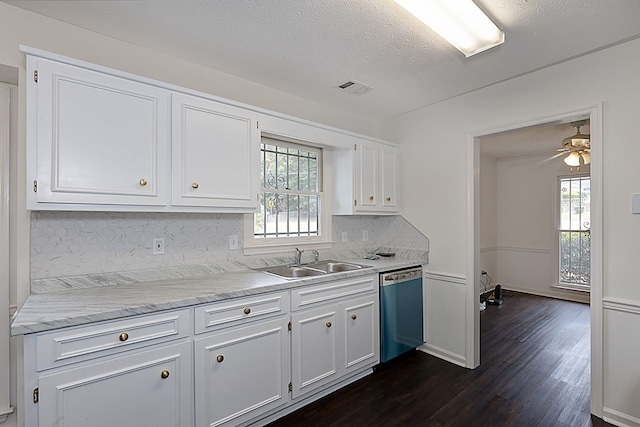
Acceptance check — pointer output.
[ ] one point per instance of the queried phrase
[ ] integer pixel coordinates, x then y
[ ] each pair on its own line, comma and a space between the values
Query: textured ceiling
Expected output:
308, 47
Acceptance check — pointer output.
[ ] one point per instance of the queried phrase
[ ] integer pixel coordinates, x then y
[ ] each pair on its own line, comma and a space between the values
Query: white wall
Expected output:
434, 147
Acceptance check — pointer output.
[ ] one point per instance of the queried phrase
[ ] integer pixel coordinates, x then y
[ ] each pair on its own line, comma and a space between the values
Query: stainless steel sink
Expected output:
332, 266
291, 272
313, 269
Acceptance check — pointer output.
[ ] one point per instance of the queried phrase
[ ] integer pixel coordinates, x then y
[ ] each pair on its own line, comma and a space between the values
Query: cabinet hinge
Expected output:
257, 124
36, 395
35, 76
289, 326
355, 203
290, 387
35, 186
355, 147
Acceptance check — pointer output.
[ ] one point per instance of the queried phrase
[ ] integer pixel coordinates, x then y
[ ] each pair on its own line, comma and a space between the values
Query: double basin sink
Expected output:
317, 268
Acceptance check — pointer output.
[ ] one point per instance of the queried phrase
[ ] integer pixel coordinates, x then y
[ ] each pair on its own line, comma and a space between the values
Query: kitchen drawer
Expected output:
314, 295
227, 313
72, 345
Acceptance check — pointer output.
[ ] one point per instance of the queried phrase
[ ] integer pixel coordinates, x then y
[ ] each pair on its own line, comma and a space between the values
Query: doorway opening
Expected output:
515, 214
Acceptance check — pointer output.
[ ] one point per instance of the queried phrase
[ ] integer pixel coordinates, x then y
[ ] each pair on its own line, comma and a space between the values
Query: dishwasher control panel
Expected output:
401, 276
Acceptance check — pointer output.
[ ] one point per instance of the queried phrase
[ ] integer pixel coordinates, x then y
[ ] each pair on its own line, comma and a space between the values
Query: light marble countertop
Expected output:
53, 310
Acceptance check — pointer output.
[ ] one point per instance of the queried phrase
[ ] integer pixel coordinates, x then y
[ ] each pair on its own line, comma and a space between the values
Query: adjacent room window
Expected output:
574, 234
291, 192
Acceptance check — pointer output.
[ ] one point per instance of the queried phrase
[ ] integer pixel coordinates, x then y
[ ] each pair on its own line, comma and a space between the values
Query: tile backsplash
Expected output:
81, 243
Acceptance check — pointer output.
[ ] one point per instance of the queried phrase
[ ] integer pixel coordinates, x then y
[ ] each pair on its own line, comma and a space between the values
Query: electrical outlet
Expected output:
158, 246
233, 242
365, 235
345, 237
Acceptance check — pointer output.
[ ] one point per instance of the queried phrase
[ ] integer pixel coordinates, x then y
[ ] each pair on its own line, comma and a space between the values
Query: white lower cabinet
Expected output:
145, 388
315, 349
361, 345
337, 338
232, 362
241, 373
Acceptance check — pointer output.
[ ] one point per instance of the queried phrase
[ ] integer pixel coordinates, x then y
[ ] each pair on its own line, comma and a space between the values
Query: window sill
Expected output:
579, 288
272, 248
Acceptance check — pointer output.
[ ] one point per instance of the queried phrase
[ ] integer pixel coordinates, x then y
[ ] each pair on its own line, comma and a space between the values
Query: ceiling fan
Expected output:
577, 147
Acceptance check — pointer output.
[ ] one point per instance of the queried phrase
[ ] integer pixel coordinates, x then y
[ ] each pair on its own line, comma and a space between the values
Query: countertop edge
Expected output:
55, 310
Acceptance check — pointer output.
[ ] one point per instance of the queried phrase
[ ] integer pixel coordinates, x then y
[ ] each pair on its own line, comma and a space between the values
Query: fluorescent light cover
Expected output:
460, 22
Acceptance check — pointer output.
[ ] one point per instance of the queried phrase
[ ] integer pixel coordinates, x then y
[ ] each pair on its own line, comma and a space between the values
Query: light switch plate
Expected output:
635, 204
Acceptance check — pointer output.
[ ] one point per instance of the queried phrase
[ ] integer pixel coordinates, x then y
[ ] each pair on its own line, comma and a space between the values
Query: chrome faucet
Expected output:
298, 256
316, 256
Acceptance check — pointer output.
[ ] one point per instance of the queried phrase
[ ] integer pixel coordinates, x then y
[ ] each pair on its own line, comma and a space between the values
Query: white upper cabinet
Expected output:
365, 179
94, 138
214, 154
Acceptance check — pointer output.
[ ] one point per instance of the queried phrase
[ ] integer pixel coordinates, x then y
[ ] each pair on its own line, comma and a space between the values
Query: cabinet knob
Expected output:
164, 374
195, 185
143, 182
370, 197
388, 199
328, 324
219, 358
354, 317
124, 336
247, 310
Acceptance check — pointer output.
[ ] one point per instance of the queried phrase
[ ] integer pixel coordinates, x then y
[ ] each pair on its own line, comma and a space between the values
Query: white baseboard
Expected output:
618, 418
574, 297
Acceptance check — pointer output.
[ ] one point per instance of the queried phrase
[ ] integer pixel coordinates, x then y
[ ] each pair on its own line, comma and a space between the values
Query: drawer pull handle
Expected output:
124, 336
354, 317
388, 199
247, 310
195, 185
219, 358
164, 374
142, 182
370, 197
328, 324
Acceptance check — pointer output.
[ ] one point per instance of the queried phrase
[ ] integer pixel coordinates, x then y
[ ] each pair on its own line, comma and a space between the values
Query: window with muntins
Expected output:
291, 191
574, 234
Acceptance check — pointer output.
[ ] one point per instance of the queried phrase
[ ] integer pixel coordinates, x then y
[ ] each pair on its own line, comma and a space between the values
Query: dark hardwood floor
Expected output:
534, 372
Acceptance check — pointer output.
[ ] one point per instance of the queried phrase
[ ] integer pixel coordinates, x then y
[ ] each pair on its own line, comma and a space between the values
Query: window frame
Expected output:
254, 245
556, 283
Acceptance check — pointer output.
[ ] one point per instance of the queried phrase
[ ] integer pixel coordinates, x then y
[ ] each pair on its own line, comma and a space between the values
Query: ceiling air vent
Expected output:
354, 88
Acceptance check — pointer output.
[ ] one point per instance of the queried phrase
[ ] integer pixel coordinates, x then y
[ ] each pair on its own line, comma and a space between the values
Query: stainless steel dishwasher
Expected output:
401, 324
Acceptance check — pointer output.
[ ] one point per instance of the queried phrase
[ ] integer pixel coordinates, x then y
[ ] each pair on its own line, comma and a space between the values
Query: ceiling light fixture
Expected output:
460, 22
578, 146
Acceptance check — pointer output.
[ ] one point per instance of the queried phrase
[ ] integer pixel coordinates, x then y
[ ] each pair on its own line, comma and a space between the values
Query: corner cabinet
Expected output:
366, 179
214, 154
93, 138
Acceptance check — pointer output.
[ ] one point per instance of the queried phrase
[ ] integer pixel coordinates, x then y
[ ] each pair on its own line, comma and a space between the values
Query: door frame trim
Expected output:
472, 265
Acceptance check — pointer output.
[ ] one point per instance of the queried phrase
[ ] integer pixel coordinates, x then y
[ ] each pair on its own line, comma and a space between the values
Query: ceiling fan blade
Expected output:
555, 156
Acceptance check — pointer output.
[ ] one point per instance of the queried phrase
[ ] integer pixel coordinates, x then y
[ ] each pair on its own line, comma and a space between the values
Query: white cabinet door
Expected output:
241, 373
96, 138
314, 348
362, 334
367, 177
147, 388
214, 154
388, 174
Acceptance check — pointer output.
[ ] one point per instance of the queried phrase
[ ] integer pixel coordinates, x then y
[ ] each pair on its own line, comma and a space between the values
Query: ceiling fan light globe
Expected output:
586, 157
573, 159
